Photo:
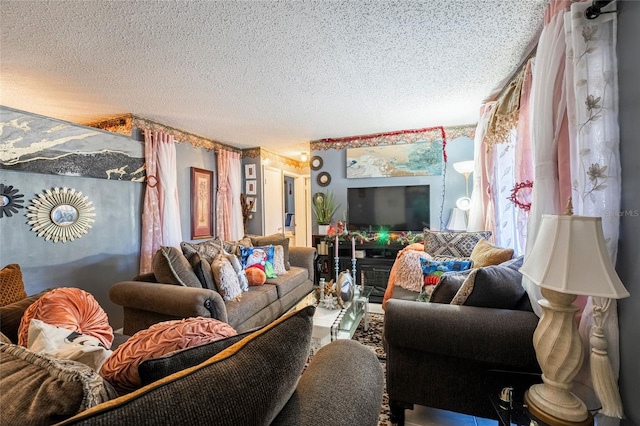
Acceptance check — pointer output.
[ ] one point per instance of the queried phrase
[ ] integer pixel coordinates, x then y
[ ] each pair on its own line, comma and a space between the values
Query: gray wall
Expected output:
108, 253
334, 162
188, 156
629, 247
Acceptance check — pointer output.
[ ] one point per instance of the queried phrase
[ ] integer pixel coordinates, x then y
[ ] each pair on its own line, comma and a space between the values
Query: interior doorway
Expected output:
285, 208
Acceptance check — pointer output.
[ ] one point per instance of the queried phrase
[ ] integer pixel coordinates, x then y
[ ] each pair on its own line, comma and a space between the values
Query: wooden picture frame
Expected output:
202, 190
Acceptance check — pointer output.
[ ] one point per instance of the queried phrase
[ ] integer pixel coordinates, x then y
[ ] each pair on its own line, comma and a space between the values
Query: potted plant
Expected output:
324, 207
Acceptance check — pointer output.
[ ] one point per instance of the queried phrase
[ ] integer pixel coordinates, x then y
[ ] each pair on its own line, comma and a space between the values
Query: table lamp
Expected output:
569, 258
457, 220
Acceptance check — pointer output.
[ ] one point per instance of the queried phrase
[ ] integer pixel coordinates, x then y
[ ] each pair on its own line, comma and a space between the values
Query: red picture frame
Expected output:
202, 190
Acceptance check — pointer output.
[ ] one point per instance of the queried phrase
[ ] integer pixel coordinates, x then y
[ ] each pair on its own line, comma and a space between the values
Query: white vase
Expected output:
323, 229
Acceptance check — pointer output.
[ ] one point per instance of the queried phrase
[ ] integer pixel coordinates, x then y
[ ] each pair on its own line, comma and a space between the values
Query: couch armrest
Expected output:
303, 257
169, 299
500, 336
342, 385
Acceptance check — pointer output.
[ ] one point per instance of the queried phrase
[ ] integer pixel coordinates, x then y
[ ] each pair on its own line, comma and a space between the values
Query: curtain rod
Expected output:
530, 55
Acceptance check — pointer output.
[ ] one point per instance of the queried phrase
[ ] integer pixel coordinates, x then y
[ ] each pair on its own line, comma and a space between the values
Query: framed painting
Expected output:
415, 159
201, 203
250, 171
250, 187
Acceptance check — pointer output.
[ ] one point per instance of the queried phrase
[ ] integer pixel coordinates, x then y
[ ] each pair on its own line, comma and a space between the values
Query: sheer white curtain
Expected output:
170, 205
160, 213
548, 106
235, 187
592, 93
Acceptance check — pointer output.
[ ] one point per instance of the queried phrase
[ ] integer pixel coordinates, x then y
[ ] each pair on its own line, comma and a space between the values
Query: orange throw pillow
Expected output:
121, 369
11, 285
71, 308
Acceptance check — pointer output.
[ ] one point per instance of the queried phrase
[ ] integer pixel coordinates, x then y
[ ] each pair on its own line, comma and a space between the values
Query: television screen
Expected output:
391, 208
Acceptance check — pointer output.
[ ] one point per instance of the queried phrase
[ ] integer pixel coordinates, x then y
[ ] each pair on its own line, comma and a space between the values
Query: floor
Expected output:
426, 416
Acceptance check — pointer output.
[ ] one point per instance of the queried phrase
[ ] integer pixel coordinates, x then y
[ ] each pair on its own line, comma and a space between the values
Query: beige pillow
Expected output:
278, 260
486, 254
226, 278
66, 344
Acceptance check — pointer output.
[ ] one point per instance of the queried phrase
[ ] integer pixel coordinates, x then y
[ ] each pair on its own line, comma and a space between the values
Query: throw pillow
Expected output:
41, 389
493, 286
226, 279
278, 260
237, 266
11, 285
11, 315
274, 240
4, 339
260, 257
255, 276
456, 244
487, 254
71, 308
208, 249
408, 269
121, 369
171, 267
203, 271
66, 344
433, 270
248, 383
448, 286
154, 369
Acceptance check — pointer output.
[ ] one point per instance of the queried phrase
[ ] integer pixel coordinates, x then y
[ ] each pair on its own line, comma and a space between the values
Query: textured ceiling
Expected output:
275, 74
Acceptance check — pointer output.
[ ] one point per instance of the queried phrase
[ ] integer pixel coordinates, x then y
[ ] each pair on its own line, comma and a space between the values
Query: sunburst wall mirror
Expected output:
10, 200
61, 214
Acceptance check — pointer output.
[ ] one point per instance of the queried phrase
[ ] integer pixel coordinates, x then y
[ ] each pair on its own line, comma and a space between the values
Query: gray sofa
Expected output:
444, 356
146, 302
250, 379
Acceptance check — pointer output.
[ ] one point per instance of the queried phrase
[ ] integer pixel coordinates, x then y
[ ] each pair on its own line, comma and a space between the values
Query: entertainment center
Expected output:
372, 269
382, 220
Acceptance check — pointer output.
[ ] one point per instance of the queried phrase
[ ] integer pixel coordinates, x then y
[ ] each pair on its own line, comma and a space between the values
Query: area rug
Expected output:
372, 338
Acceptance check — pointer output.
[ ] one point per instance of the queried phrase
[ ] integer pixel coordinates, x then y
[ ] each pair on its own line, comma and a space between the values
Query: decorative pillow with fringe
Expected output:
226, 278
409, 270
41, 389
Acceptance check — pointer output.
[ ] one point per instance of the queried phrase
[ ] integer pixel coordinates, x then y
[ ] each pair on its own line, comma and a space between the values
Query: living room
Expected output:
110, 251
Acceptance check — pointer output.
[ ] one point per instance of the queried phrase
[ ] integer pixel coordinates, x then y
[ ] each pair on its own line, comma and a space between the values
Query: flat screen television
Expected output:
390, 208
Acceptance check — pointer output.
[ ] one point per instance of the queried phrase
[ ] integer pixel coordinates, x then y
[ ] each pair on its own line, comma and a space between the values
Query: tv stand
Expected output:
373, 269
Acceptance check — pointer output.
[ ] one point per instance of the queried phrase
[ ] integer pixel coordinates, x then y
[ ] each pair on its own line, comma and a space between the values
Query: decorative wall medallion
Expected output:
10, 200
316, 162
324, 179
61, 215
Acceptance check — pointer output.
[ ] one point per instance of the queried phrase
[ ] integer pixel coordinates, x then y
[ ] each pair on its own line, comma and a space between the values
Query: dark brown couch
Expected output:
147, 303
441, 355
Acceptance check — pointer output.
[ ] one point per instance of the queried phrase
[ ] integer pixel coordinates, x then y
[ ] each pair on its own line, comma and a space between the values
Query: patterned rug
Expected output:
373, 339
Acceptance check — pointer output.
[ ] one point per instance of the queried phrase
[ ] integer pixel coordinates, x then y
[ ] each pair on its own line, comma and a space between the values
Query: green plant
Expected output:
324, 207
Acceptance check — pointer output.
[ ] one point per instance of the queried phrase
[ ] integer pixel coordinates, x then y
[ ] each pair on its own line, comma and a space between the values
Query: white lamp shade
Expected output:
457, 220
569, 255
463, 167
